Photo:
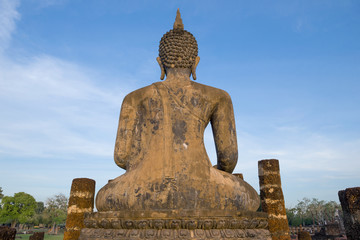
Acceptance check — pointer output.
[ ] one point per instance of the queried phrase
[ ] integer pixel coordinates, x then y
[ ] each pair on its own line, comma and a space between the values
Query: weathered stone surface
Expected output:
7, 233
199, 234
272, 199
328, 232
350, 204
304, 235
181, 218
181, 224
332, 229
239, 175
81, 201
160, 142
171, 224
37, 236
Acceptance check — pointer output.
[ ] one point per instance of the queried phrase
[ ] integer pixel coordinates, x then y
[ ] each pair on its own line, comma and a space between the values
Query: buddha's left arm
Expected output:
124, 138
223, 126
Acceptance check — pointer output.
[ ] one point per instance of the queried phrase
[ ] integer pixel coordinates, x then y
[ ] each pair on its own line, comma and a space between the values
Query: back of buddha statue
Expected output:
160, 141
162, 126
170, 189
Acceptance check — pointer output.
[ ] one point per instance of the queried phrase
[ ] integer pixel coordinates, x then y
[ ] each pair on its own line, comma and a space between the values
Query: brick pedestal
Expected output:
7, 233
272, 198
81, 201
350, 204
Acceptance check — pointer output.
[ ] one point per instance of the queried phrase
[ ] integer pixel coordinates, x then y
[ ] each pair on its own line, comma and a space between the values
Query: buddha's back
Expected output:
160, 144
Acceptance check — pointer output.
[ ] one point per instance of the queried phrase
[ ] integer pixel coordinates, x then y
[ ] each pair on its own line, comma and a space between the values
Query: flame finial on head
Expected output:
178, 24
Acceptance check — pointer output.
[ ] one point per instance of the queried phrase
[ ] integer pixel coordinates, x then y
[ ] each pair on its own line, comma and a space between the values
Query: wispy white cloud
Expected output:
47, 3
8, 17
309, 161
58, 105
52, 107
299, 25
306, 149
55, 115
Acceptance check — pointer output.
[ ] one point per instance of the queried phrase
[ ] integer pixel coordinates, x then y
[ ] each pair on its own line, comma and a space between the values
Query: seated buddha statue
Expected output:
160, 141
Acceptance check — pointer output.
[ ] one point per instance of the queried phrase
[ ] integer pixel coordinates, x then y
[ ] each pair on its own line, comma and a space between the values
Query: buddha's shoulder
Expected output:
141, 93
209, 91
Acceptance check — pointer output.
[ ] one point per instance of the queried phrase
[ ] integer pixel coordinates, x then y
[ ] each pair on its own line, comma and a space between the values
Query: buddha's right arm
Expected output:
223, 126
124, 138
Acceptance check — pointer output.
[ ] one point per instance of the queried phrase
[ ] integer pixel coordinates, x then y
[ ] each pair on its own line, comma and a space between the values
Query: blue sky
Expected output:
292, 69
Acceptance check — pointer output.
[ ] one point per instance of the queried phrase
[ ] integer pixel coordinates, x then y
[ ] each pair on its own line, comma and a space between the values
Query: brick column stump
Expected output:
272, 198
37, 236
350, 204
81, 201
304, 235
239, 175
7, 233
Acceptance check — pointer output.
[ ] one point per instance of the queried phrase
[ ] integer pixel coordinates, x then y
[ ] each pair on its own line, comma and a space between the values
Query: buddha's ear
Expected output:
193, 69
162, 76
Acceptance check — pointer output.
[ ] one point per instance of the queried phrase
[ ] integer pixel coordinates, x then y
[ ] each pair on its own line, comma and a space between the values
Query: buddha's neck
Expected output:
178, 75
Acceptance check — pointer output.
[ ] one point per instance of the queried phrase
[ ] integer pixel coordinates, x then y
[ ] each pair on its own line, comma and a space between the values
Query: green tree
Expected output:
293, 217
40, 207
330, 210
302, 210
316, 209
1, 193
17, 209
56, 209
1, 196
39, 214
313, 212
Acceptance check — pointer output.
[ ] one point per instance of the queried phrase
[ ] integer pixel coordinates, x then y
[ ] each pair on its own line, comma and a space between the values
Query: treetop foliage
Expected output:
22, 208
1, 193
19, 208
56, 208
313, 212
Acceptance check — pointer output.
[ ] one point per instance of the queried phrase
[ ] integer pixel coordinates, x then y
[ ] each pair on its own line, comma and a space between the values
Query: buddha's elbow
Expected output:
226, 166
120, 160
227, 162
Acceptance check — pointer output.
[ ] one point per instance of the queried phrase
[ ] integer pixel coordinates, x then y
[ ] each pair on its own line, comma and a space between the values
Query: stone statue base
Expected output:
175, 224
100, 234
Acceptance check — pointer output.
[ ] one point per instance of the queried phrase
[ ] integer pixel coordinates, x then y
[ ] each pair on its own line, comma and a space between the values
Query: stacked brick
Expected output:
81, 201
350, 204
37, 236
272, 198
7, 233
239, 175
304, 235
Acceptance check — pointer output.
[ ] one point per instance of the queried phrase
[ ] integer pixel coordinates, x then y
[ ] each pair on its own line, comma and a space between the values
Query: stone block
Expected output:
7, 233
37, 236
350, 204
81, 201
272, 198
169, 224
304, 235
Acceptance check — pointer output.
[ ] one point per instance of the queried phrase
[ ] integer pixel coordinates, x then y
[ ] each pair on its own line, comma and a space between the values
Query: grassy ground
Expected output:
47, 236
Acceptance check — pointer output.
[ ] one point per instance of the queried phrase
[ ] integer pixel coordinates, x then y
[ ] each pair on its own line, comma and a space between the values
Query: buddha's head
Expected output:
178, 49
